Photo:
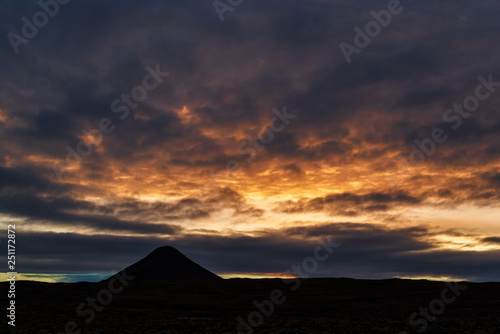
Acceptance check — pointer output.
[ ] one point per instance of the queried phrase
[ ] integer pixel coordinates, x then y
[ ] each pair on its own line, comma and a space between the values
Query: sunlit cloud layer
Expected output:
208, 162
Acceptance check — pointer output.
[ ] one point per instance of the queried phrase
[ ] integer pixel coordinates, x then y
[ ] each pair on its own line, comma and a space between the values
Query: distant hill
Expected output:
167, 263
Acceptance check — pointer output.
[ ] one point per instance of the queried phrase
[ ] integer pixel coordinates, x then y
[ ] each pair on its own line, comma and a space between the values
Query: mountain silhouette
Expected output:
167, 263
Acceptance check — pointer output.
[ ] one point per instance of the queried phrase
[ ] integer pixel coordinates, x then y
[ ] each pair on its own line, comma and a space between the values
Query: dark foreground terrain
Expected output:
317, 306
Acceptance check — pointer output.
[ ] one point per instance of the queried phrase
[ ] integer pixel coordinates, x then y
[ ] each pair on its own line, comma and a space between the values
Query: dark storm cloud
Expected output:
493, 240
92, 252
21, 178
33, 182
58, 211
48, 124
294, 169
80, 63
495, 179
365, 250
470, 131
26, 195
349, 203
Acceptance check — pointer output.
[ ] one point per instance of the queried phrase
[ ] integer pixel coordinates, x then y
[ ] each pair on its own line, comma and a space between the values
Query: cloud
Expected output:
349, 204
163, 171
493, 240
366, 251
58, 211
21, 178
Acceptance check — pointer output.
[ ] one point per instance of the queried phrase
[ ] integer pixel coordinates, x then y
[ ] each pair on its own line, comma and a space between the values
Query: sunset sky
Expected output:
205, 164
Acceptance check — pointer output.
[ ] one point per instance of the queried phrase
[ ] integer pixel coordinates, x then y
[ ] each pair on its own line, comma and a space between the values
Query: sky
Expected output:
244, 142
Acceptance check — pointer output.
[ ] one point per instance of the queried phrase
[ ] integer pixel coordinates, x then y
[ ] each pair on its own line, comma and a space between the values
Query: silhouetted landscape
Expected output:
167, 263
176, 304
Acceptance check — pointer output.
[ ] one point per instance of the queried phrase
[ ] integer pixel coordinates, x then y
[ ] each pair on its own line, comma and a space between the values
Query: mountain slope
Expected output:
167, 263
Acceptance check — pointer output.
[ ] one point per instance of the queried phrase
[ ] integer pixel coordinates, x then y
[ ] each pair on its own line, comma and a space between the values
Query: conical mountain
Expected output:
167, 263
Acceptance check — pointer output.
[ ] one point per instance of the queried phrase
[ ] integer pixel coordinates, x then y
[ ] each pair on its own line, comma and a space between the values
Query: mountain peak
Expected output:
165, 250
167, 263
